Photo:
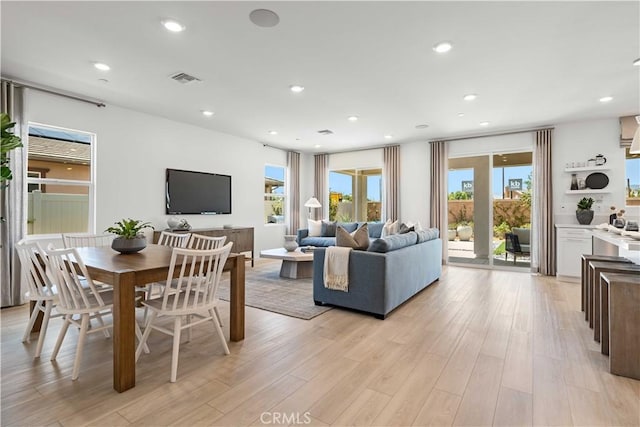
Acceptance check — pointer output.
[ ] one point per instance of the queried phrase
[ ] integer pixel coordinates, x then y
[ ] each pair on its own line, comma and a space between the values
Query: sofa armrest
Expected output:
302, 233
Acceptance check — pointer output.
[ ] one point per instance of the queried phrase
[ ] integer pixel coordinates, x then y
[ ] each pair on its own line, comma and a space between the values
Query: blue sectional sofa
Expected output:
389, 273
328, 237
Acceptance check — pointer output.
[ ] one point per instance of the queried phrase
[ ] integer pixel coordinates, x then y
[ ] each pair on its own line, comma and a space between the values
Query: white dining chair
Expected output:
192, 295
42, 292
198, 241
85, 240
79, 296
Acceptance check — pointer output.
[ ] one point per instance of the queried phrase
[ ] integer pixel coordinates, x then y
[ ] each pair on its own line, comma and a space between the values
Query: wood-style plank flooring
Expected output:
479, 347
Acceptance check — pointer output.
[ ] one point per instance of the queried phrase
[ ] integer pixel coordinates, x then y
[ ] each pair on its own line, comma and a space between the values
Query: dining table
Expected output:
126, 271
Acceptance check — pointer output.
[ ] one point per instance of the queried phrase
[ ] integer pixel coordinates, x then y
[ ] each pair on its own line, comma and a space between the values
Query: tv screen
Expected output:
189, 192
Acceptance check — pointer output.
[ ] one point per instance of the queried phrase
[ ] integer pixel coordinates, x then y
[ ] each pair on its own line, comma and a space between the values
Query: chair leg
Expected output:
145, 335
514, 258
215, 310
105, 331
218, 329
189, 319
48, 305
32, 321
84, 327
61, 335
177, 325
145, 347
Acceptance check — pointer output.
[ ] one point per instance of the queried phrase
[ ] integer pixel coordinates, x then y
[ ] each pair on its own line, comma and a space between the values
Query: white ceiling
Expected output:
531, 64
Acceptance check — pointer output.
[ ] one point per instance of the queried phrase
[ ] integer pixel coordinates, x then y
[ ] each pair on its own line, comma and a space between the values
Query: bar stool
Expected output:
585, 274
595, 268
624, 318
605, 289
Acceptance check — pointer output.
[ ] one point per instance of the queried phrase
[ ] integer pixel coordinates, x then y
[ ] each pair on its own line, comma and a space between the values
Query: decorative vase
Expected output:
129, 246
574, 182
464, 232
452, 235
290, 243
584, 216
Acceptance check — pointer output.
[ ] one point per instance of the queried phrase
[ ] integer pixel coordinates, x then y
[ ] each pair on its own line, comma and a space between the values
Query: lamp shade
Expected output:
635, 143
312, 203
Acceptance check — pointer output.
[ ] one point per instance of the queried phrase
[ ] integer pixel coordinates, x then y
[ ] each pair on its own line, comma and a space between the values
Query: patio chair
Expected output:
193, 295
517, 243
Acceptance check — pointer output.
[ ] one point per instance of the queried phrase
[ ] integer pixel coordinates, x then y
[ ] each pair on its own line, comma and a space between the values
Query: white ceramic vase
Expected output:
290, 243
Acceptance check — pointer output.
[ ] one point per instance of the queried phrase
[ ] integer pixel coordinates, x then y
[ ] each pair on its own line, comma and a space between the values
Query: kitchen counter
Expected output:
586, 227
623, 242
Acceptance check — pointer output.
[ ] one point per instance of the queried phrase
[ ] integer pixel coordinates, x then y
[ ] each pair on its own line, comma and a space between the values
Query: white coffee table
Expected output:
295, 265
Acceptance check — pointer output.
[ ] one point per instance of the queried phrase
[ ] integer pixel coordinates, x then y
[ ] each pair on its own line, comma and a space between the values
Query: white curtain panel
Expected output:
12, 229
439, 172
391, 176
293, 168
543, 254
320, 185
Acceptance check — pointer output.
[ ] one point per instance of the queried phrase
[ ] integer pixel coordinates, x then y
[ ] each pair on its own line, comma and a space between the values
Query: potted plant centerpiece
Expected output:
130, 237
584, 214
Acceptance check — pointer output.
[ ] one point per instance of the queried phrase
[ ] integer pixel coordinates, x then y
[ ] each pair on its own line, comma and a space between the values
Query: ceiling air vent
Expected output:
325, 132
185, 78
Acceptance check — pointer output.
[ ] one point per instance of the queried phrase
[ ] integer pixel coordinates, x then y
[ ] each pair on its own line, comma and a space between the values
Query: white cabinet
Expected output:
571, 244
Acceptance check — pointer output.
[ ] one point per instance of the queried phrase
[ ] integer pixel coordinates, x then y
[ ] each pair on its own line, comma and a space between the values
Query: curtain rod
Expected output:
53, 92
487, 135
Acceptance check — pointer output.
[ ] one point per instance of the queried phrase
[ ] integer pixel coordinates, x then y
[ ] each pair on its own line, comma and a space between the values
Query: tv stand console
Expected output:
242, 237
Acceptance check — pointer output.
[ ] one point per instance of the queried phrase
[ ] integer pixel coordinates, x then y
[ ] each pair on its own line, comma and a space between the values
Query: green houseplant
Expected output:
584, 214
130, 237
10, 141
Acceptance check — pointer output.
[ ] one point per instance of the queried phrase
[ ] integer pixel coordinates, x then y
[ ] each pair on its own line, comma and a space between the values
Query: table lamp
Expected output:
312, 203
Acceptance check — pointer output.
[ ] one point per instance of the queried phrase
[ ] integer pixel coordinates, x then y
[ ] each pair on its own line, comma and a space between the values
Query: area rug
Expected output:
266, 290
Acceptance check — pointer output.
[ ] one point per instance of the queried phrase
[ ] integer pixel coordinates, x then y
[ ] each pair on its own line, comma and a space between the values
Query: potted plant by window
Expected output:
130, 237
584, 214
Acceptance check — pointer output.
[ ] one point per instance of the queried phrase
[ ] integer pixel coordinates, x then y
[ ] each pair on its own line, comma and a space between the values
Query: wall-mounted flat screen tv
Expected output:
190, 192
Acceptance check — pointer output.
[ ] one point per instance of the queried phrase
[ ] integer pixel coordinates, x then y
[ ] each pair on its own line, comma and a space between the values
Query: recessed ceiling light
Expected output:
69, 169
173, 26
352, 118
422, 126
606, 99
484, 123
470, 97
442, 47
636, 62
460, 114
273, 132
388, 136
264, 18
100, 66
207, 113
317, 146
296, 88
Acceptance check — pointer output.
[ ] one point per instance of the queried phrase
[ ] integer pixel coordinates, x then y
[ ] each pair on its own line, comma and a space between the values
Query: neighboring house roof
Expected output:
59, 151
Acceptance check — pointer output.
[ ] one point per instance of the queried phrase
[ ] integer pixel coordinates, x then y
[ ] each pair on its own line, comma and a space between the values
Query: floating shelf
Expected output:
587, 191
586, 169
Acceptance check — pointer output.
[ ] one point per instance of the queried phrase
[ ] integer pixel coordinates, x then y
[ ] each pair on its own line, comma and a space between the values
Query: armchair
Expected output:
517, 243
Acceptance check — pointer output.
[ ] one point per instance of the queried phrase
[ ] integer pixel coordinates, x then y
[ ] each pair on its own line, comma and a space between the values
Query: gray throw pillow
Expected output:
359, 239
328, 229
404, 229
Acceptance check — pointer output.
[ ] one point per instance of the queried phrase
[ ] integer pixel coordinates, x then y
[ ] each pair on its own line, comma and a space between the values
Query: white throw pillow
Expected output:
389, 228
315, 228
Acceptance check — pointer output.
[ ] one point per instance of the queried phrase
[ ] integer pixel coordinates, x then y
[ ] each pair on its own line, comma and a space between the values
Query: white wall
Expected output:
134, 149
578, 142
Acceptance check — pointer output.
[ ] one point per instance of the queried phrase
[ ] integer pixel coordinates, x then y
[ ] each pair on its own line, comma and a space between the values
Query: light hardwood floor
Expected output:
479, 347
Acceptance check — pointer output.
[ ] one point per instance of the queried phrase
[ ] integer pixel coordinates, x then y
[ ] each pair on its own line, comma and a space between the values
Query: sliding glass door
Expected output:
489, 203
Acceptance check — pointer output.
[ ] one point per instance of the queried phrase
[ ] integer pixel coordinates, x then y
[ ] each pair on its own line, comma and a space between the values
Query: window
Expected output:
632, 181
274, 194
355, 195
59, 180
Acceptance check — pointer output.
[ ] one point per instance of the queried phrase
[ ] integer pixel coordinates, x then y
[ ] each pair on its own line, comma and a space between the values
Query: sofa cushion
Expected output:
315, 228
428, 234
349, 226
328, 229
394, 242
321, 242
524, 235
359, 239
375, 229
